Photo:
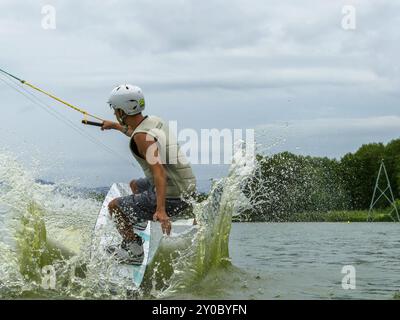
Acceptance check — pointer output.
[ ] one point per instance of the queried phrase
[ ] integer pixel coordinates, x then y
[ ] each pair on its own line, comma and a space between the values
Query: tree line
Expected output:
285, 183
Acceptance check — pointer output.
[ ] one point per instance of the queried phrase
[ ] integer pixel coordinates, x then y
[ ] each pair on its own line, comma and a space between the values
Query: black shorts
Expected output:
141, 206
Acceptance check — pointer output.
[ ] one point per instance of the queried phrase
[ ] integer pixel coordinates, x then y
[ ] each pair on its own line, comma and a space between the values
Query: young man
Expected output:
169, 177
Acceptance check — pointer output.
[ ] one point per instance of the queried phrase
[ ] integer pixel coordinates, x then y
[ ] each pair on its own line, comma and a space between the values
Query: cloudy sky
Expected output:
286, 68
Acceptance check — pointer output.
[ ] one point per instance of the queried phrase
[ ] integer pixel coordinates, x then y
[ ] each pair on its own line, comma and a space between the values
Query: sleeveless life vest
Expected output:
180, 178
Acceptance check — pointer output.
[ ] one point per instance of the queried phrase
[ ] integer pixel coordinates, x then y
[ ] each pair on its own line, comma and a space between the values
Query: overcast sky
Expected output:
286, 68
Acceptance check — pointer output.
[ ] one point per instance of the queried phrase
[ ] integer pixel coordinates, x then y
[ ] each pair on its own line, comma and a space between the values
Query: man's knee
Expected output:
134, 186
113, 207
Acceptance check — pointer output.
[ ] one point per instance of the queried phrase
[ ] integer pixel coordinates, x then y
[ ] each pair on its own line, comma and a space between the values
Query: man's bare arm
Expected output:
107, 125
148, 149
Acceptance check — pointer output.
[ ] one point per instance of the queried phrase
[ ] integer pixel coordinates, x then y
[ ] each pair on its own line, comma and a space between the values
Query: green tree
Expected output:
360, 172
392, 163
284, 184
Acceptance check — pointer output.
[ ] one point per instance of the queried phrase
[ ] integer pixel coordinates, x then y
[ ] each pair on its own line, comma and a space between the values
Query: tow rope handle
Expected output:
92, 123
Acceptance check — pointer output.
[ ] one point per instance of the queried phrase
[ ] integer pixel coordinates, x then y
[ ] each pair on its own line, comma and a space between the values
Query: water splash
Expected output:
50, 225
179, 266
40, 227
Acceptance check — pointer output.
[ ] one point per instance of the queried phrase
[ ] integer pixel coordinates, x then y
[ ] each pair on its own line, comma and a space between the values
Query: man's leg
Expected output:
124, 226
134, 187
135, 210
140, 185
131, 248
178, 208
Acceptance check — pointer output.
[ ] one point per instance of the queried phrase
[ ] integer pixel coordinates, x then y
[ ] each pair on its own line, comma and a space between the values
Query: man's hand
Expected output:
107, 125
161, 215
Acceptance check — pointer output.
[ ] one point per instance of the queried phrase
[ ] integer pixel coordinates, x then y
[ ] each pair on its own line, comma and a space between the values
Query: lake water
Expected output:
267, 260
300, 261
305, 261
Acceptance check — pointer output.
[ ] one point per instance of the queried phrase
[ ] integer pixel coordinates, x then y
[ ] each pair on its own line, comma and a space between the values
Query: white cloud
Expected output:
207, 64
327, 137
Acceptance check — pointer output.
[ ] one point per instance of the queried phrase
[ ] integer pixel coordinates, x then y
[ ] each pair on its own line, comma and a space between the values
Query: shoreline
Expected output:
332, 216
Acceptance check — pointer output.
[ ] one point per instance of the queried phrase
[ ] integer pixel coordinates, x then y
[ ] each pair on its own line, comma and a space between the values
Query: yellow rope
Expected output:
85, 113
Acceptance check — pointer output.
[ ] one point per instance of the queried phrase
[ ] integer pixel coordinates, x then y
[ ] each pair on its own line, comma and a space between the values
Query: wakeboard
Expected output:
106, 234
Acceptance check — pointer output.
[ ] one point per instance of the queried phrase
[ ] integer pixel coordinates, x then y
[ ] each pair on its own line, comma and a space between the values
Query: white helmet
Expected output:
127, 98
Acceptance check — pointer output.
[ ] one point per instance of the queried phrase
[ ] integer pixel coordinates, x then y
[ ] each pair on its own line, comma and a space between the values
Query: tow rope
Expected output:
46, 107
84, 112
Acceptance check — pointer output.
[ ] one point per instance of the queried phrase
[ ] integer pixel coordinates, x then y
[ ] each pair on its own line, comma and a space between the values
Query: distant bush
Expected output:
286, 184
